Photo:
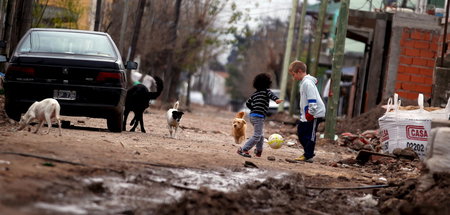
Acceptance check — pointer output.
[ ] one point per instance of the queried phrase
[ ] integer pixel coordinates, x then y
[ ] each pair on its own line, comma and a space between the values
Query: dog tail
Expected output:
159, 88
175, 106
240, 115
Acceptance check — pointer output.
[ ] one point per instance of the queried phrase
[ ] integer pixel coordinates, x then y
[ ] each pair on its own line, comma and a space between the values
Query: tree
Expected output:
253, 53
196, 36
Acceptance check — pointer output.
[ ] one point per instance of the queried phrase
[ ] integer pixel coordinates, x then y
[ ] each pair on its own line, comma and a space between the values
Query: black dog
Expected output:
138, 98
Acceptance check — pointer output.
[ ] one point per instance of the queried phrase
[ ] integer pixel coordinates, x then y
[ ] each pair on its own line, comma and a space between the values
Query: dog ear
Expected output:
244, 121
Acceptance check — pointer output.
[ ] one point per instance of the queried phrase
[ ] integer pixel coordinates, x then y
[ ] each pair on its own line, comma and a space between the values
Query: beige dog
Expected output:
239, 128
45, 110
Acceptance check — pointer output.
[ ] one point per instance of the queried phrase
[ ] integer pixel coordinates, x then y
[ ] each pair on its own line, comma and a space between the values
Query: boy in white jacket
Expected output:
312, 109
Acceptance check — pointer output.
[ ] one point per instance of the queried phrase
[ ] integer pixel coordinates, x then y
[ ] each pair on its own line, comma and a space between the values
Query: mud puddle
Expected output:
143, 191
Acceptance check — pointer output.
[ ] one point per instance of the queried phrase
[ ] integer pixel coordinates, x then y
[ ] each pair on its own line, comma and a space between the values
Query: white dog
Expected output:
44, 110
173, 119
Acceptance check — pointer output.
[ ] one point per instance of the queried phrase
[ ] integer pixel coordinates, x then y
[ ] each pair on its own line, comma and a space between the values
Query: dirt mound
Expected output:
408, 199
363, 122
273, 196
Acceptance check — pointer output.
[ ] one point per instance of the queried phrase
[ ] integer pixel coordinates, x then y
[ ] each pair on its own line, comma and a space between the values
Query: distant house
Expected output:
212, 85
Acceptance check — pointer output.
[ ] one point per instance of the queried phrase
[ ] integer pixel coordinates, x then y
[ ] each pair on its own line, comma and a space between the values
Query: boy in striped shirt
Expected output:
258, 103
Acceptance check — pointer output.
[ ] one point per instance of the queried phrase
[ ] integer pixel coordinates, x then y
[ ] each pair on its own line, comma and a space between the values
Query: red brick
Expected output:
431, 63
411, 52
421, 45
417, 35
428, 80
401, 94
407, 95
433, 47
405, 35
403, 77
413, 70
407, 43
409, 86
417, 79
424, 88
402, 69
405, 60
398, 85
436, 38
427, 53
427, 36
426, 71
419, 61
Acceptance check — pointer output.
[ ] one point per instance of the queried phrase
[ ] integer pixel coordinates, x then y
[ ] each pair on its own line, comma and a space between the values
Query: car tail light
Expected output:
109, 77
21, 73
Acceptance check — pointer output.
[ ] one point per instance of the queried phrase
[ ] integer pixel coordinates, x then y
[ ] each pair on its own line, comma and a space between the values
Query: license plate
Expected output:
64, 94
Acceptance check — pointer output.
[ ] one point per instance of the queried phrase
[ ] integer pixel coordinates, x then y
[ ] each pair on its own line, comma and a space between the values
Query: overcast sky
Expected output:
256, 10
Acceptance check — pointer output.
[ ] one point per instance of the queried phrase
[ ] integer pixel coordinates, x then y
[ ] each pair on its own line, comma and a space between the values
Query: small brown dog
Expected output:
239, 128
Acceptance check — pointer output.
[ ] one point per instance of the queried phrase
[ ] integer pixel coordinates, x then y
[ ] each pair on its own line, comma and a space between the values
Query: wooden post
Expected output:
169, 75
444, 41
137, 28
9, 20
98, 15
338, 59
298, 53
318, 38
287, 54
123, 26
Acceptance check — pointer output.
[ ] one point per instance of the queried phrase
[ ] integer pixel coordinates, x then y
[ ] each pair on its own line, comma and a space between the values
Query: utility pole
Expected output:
287, 54
9, 20
298, 54
98, 15
123, 26
137, 28
318, 38
338, 59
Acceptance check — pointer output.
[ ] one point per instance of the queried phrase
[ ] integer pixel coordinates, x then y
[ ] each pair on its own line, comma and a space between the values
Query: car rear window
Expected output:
68, 43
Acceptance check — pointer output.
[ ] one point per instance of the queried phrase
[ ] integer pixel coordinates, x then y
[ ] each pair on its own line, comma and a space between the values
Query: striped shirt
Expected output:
258, 103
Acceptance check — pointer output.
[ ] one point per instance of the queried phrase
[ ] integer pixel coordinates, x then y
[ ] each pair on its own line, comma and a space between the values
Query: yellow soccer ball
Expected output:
275, 141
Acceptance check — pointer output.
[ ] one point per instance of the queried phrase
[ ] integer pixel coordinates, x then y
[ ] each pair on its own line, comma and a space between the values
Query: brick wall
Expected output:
417, 60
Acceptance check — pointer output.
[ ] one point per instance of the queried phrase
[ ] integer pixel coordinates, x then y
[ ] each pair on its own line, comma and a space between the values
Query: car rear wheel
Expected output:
114, 122
11, 111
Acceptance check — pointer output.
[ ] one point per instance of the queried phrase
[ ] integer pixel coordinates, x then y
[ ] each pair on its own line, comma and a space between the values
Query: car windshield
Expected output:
68, 43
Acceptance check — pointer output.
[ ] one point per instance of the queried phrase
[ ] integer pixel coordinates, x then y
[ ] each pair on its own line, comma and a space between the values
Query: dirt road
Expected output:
89, 170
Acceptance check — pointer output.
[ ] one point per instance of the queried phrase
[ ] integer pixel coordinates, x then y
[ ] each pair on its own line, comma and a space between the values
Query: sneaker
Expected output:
243, 153
303, 158
257, 153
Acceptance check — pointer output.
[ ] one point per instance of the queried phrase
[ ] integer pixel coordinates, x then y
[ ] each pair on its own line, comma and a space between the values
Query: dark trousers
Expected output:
306, 132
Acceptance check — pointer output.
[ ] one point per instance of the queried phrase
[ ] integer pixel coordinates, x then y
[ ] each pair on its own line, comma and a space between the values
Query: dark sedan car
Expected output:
83, 70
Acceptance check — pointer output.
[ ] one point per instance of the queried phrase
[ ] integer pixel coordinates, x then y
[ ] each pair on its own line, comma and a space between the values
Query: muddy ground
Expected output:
89, 170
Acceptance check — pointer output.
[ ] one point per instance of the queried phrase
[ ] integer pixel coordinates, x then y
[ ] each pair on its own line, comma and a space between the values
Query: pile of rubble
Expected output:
368, 140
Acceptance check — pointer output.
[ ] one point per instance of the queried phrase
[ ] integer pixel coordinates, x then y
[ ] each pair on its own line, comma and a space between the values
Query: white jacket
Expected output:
310, 100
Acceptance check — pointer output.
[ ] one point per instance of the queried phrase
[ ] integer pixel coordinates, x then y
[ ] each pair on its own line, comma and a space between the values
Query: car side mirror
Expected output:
3, 59
131, 65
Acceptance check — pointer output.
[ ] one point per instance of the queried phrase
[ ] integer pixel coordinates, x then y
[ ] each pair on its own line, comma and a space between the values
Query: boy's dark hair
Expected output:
262, 81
